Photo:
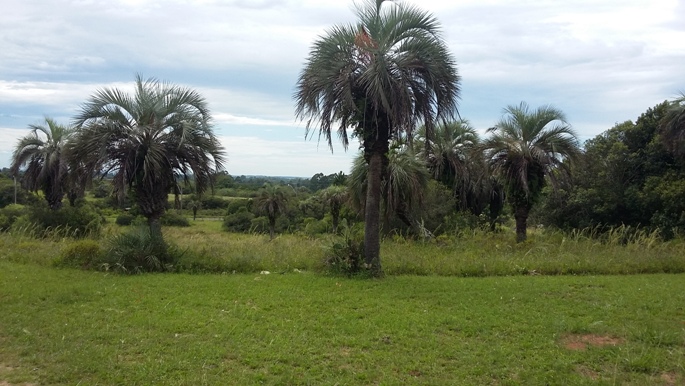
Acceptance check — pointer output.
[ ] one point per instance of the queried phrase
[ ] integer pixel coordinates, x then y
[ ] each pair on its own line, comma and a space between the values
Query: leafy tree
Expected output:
147, 140
378, 78
271, 201
625, 176
525, 147
673, 127
42, 153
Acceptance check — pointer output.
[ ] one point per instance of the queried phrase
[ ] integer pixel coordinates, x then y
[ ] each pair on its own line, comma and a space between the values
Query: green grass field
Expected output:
63, 326
474, 310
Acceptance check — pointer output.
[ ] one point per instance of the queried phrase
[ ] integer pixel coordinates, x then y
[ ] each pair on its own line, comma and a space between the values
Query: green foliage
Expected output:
7, 191
240, 221
138, 251
214, 202
346, 254
174, 220
84, 254
125, 219
625, 176
9, 214
78, 221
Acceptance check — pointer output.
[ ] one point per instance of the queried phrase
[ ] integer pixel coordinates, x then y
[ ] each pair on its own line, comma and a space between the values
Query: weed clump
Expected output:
139, 251
84, 254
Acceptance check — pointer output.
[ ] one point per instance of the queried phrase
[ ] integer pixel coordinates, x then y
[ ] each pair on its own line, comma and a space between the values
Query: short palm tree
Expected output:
525, 147
271, 201
42, 153
673, 127
335, 196
378, 78
148, 140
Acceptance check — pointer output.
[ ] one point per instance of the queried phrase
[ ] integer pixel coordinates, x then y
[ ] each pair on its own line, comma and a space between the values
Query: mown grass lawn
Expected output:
63, 326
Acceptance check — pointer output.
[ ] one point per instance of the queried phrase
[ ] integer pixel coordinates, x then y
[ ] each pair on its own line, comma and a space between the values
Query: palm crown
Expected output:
524, 147
149, 140
46, 166
379, 78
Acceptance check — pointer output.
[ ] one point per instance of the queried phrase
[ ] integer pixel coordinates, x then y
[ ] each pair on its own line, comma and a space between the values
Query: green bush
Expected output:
214, 202
235, 206
79, 221
346, 255
125, 219
137, 251
241, 221
174, 220
9, 214
84, 254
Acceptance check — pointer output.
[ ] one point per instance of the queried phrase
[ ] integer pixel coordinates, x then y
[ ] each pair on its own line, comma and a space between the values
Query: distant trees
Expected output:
378, 77
42, 154
526, 147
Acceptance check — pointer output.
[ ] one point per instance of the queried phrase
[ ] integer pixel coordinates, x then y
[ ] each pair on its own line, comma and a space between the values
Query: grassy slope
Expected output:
67, 326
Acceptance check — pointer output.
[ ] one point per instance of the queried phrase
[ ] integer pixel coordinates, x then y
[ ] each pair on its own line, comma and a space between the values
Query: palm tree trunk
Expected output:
155, 228
272, 227
372, 214
521, 216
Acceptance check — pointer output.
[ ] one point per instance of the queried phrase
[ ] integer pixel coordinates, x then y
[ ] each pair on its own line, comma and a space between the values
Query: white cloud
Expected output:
258, 156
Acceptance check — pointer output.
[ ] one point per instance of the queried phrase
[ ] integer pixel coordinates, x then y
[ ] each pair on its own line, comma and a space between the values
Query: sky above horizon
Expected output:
601, 62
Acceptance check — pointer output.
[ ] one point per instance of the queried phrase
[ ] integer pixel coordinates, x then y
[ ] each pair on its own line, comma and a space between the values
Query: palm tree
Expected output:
148, 140
524, 147
271, 201
379, 78
42, 152
452, 157
402, 189
335, 196
673, 127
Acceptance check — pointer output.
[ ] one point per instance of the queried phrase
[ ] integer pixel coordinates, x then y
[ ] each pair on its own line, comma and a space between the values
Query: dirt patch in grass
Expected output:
576, 342
670, 379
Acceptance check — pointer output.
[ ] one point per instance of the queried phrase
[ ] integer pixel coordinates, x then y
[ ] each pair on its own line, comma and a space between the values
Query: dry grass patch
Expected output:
576, 342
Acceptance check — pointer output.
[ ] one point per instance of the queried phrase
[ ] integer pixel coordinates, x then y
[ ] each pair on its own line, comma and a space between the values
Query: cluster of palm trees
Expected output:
151, 142
389, 72
376, 80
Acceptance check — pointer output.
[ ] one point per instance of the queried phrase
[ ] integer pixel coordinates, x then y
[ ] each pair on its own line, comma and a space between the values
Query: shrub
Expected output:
125, 219
174, 220
84, 254
78, 221
214, 202
346, 255
137, 251
9, 214
241, 221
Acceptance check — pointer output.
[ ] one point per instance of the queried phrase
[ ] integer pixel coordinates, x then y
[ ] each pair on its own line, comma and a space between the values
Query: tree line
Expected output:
390, 81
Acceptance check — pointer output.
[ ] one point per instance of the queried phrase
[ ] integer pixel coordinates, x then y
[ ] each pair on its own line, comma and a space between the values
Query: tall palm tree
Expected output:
525, 147
673, 127
42, 152
378, 78
402, 189
148, 140
271, 201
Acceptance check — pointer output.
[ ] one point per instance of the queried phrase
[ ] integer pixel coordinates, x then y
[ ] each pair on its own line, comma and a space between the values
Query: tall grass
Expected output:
205, 248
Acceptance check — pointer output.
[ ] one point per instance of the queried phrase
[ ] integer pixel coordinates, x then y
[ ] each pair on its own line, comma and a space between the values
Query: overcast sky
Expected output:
600, 61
